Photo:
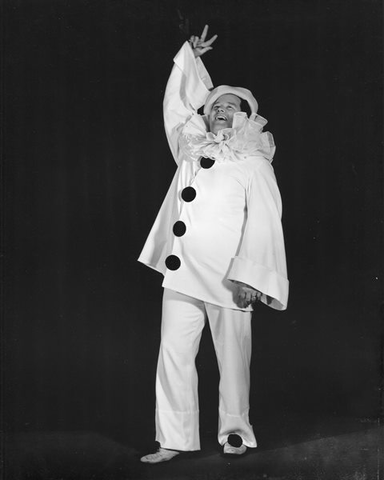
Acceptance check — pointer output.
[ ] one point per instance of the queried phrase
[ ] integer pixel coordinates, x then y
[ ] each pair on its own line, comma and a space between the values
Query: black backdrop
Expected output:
86, 166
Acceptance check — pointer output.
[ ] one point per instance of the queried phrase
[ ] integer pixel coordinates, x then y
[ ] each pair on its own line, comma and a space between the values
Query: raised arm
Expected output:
187, 88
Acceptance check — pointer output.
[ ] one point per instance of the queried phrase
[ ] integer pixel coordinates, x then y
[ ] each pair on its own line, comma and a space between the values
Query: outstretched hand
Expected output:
199, 45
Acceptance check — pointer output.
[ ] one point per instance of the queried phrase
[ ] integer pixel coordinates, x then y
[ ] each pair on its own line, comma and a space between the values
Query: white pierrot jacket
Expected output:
220, 221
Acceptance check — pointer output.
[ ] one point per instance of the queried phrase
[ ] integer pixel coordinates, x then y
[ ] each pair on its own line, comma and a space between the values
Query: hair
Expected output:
244, 105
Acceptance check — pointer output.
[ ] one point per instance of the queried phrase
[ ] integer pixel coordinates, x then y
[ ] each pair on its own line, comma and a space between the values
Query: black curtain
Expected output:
86, 167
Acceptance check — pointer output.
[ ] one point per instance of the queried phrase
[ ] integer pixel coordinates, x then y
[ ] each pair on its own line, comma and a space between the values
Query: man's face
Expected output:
221, 114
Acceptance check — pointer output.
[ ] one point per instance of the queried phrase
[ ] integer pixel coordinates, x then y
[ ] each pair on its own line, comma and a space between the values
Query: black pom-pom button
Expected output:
172, 262
188, 194
179, 228
235, 440
206, 162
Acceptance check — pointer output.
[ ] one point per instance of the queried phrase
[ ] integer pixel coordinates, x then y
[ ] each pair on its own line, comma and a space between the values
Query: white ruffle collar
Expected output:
245, 138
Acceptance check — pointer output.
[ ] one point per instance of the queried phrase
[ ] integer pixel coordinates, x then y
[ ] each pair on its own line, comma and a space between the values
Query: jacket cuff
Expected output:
269, 282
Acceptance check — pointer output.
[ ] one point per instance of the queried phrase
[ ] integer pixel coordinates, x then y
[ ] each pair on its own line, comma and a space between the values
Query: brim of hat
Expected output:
240, 92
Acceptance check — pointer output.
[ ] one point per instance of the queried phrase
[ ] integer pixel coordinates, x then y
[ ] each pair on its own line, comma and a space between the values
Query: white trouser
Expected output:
177, 409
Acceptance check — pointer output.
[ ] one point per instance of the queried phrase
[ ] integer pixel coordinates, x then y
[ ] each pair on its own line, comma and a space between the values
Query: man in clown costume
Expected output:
219, 244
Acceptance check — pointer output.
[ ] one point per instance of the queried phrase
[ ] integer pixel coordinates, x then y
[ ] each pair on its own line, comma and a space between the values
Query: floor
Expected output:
336, 449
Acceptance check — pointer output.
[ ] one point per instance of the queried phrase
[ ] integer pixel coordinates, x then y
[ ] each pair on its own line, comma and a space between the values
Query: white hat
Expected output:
243, 93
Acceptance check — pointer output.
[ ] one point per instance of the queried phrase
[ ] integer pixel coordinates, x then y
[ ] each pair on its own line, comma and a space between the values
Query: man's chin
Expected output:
217, 127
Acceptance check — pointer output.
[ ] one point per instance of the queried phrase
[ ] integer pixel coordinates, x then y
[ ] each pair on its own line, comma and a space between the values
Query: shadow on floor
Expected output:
355, 454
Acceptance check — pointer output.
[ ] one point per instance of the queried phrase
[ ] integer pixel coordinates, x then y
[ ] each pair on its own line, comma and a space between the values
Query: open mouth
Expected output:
221, 118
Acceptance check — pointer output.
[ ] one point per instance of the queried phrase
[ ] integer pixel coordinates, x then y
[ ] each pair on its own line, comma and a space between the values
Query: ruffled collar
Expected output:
245, 138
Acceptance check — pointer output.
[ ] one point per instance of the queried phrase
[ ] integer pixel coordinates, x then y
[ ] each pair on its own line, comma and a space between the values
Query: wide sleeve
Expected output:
261, 261
186, 91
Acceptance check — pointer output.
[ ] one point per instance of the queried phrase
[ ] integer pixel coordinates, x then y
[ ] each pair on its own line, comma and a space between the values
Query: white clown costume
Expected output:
219, 223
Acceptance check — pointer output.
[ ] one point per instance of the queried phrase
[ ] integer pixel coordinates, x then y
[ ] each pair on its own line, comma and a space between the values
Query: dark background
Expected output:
86, 166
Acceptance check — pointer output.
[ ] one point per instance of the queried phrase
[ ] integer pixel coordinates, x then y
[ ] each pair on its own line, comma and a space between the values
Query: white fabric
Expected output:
245, 138
234, 224
225, 89
177, 410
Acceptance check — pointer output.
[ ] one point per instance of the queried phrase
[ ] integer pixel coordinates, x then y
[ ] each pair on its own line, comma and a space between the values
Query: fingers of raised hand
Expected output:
203, 50
200, 43
210, 41
193, 40
204, 33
